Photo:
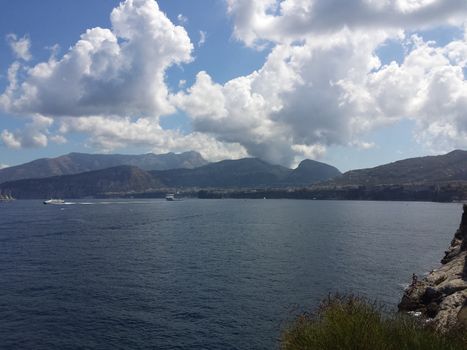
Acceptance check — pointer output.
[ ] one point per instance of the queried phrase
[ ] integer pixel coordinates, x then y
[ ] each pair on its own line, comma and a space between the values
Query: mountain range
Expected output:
247, 172
242, 173
75, 163
118, 180
442, 177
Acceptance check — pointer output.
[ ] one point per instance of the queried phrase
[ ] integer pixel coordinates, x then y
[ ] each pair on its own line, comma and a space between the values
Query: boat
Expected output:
170, 197
54, 201
6, 197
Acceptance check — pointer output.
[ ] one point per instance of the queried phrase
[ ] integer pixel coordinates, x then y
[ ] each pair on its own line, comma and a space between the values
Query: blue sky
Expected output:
281, 80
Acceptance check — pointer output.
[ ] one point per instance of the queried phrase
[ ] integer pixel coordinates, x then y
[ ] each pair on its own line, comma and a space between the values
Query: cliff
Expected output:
441, 296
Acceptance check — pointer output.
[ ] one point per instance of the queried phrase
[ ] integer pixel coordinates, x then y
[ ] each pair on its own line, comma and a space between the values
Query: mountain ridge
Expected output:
432, 178
451, 166
120, 179
75, 163
241, 173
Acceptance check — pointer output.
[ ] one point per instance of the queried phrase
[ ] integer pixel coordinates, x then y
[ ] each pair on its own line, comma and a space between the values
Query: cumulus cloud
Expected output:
240, 111
35, 134
20, 46
289, 20
293, 106
439, 105
322, 82
109, 85
118, 71
112, 133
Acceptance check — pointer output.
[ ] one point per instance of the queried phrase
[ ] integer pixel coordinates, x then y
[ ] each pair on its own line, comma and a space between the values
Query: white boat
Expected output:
6, 197
170, 197
54, 201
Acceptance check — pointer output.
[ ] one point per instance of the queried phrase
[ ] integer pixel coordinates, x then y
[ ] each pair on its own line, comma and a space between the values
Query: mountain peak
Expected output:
311, 171
310, 162
457, 152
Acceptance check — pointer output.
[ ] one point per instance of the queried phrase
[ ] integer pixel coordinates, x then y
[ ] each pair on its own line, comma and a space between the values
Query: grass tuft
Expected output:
354, 323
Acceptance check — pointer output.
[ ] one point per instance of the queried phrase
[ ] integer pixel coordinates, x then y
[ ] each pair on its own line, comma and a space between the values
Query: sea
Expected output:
201, 274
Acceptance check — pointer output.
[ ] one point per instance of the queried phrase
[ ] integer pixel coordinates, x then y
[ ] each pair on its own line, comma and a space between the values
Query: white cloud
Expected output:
289, 20
429, 87
35, 134
202, 38
322, 83
3, 166
319, 90
58, 139
182, 19
12, 86
108, 134
363, 144
10, 140
20, 46
292, 106
118, 71
111, 86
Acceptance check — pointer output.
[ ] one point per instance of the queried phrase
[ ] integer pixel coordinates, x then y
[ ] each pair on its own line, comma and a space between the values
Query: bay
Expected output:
200, 274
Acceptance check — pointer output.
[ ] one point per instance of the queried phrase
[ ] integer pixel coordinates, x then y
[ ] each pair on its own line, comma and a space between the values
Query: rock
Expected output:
442, 295
447, 316
432, 310
452, 286
451, 253
430, 295
462, 316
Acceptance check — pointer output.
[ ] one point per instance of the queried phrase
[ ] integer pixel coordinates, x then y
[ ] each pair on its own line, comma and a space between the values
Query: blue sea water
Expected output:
200, 274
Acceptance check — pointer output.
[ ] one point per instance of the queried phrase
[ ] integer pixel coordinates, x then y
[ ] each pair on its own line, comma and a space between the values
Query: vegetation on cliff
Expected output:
347, 322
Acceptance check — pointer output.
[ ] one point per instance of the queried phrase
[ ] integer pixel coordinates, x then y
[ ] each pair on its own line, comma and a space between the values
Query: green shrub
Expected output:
353, 323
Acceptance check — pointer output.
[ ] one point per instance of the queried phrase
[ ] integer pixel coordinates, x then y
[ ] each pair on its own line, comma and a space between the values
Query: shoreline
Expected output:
441, 296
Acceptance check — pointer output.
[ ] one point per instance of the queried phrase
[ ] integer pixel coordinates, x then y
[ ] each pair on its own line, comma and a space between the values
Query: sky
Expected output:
354, 83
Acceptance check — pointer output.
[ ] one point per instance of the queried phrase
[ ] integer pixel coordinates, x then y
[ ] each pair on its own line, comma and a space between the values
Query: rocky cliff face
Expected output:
441, 297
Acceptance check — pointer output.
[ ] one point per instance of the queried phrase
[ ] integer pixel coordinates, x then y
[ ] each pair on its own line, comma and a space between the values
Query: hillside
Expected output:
311, 171
432, 178
247, 172
122, 179
432, 169
75, 163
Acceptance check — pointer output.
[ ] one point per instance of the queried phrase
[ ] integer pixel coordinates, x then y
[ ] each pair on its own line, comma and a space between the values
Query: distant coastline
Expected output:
433, 178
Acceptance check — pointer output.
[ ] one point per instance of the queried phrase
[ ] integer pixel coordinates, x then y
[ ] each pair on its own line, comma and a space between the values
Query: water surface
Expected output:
200, 274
